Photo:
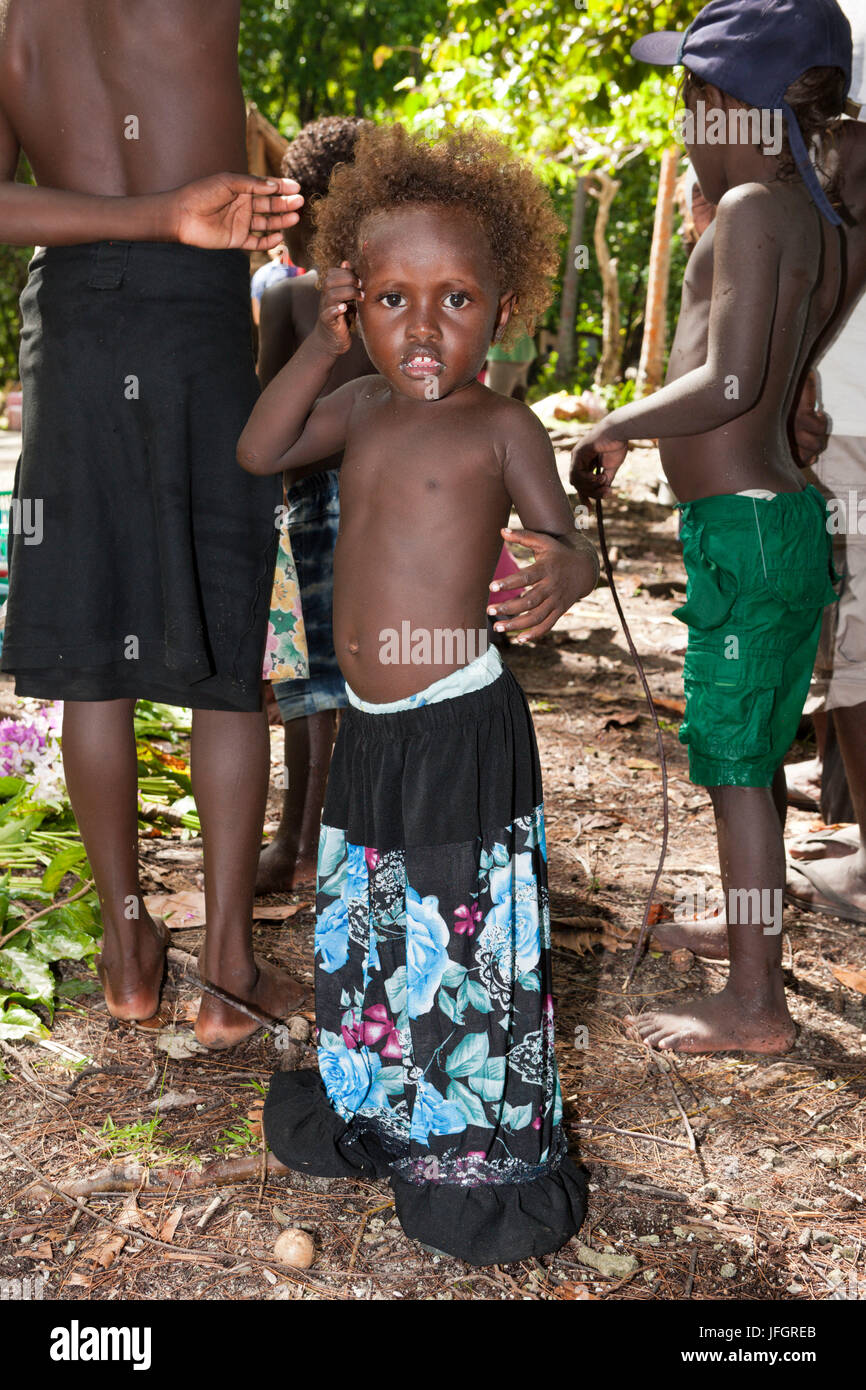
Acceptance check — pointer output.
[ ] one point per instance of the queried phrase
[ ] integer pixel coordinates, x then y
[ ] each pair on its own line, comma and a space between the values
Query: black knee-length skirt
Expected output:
141, 554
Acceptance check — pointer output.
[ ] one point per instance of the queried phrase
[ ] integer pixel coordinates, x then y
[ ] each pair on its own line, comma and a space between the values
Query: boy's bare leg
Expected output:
101, 776
708, 936
289, 861
751, 1012
230, 767
846, 874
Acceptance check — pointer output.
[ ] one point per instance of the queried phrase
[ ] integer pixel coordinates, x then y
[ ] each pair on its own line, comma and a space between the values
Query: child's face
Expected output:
431, 299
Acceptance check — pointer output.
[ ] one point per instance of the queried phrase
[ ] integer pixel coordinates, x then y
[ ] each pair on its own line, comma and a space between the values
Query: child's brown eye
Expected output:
392, 300
457, 294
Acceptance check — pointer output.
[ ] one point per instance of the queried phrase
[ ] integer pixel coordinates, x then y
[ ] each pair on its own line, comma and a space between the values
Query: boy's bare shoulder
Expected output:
753, 204
765, 218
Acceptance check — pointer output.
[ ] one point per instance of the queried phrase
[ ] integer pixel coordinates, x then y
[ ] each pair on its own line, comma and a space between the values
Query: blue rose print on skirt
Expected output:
434, 1008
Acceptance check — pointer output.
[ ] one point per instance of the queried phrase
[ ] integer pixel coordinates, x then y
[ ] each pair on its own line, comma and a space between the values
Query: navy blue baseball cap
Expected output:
754, 50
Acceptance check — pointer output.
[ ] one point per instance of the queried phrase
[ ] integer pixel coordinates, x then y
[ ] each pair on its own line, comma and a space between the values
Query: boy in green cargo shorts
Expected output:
759, 578
761, 288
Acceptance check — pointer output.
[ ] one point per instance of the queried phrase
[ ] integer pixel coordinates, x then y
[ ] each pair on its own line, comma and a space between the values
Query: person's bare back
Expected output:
752, 450
144, 96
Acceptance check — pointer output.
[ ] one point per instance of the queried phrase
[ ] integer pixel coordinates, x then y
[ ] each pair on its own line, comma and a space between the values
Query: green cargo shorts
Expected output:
760, 574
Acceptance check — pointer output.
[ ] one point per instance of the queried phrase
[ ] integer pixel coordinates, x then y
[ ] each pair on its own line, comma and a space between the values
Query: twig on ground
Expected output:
631, 1134
663, 1072
208, 1213
30, 1076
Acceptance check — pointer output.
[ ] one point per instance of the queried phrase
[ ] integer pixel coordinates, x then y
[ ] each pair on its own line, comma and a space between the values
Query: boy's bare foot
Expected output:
131, 969
804, 784
826, 844
282, 871
722, 1023
273, 992
707, 937
835, 887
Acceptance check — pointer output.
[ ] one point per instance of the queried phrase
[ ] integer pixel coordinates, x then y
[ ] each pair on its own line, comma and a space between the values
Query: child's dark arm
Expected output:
745, 295
290, 426
565, 566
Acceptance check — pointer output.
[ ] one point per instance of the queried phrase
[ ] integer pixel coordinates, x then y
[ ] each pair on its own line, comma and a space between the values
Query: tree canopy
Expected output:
554, 77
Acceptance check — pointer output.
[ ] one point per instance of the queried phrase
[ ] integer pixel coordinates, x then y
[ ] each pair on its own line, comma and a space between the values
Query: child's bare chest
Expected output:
432, 457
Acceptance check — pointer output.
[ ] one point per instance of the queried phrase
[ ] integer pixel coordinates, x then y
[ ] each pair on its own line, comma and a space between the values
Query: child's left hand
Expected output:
559, 576
596, 461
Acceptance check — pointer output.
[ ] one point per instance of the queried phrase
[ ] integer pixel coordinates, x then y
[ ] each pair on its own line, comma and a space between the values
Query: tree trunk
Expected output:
651, 370
566, 338
605, 191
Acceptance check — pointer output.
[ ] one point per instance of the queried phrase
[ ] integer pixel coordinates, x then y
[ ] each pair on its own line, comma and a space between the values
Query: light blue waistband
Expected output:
483, 671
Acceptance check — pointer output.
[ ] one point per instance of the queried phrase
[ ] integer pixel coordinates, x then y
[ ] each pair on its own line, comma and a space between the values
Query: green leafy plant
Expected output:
40, 850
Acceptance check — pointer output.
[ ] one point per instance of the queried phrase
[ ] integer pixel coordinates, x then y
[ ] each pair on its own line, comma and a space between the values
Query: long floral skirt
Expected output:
433, 983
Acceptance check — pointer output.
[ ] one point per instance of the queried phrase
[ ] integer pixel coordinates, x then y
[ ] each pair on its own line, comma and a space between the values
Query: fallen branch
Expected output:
132, 1177
82, 1206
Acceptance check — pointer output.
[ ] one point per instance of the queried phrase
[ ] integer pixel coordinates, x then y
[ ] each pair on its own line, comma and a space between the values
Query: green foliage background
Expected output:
543, 74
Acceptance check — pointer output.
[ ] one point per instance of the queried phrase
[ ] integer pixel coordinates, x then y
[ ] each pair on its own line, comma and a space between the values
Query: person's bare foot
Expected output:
722, 1023
804, 784
281, 871
825, 844
845, 877
273, 992
131, 969
707, 937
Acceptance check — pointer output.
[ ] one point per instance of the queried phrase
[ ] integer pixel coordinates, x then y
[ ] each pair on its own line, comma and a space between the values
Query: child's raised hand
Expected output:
341, 291
595, 463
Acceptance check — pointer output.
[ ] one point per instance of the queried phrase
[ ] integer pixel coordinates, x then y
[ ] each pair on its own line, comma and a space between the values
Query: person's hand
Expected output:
272, 709
559, 575
811, 426
340, 291
238, 212
595, 462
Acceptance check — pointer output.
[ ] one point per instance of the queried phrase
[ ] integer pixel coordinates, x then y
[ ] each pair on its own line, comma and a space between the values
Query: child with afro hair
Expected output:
433, 977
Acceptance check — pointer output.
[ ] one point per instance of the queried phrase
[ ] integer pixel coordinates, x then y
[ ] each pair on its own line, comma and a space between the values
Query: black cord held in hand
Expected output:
608, 569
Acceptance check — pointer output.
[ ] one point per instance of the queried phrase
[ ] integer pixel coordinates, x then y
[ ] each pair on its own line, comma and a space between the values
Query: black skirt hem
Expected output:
484, 1224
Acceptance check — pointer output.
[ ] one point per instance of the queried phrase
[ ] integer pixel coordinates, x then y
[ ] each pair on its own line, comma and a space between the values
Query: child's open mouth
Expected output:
421, 364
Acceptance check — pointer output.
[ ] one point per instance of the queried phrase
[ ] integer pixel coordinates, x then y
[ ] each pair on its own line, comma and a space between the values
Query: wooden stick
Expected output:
631, 1134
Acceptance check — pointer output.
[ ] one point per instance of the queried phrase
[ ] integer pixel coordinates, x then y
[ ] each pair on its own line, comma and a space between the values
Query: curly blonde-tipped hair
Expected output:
465, 168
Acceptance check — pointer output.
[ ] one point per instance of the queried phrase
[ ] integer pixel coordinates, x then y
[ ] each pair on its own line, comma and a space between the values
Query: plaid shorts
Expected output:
313, 521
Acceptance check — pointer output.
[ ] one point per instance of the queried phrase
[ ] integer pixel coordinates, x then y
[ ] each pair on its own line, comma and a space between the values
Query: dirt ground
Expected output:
738, 1178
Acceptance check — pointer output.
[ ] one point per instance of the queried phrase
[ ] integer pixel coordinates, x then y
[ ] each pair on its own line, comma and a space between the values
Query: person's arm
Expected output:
290, 426
221, 212
565, 565
745, 293
278, 337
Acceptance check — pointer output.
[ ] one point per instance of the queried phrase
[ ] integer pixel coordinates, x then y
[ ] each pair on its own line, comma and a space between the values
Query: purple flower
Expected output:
467, 920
